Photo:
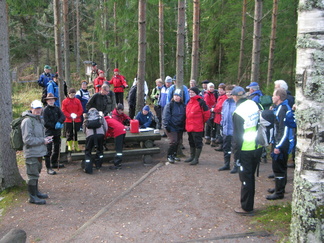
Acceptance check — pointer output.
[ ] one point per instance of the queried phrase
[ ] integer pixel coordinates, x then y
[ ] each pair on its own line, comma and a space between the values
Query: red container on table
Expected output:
134, 126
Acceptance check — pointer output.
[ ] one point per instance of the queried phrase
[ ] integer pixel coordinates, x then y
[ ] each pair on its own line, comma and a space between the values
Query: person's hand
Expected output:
73, 115
276, 151
48, 139
58, 125
101, 113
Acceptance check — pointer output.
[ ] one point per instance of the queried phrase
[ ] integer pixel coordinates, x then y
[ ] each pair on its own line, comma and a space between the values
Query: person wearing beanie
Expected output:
144, 117
197, 113
174, 115
119, 115
185, 97
120, 84
246, 152
210, 97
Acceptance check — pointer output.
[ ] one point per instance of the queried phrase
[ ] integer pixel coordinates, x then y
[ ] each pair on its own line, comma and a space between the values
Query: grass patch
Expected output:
275, 219
11, 196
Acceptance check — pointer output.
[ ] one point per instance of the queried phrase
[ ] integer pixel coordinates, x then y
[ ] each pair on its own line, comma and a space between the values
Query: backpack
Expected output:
93, 120
265, 128
266, 101
16, 140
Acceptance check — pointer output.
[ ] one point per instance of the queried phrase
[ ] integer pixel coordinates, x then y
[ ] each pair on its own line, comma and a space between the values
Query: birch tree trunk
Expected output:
255, 67
272, 41
9, 173
243, 32
308, 201
195, 41
141, 54
180, 44
161, 39
66, 42
58, 49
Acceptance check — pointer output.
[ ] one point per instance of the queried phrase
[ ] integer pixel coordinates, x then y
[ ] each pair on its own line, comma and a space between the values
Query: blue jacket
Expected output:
228, 109
174, 116
163, 96
144, 121
44, 78
52, 87
83, 96
255, 96
185, 96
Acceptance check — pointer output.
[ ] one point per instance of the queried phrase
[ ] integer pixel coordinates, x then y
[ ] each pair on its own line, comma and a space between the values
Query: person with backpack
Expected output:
34, 148
53, 122
174, 116
197, 113
95, 127
83, 95
280, 144
103, 101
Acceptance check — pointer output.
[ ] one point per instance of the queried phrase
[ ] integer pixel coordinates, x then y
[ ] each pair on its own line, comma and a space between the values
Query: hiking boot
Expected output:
207, 141
170, 159
115, 167
51, 172
213, 143
234, 170
225, 167
219, 148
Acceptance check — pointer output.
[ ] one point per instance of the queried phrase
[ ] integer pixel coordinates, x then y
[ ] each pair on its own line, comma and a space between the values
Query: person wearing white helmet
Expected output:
35, 141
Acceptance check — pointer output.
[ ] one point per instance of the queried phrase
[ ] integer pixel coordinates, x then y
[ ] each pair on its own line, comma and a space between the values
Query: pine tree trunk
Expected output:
243, 32
195, 41
180, 44
66, 42
141, 54
9, 173
255, 67
77, 48
272, 41
308, 201
58, 50
161, 39
104, 23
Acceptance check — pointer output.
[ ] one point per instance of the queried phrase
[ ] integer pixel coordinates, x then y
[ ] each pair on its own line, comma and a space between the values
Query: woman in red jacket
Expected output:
99, 81
197, 113
72, 110
117, 131
218, 116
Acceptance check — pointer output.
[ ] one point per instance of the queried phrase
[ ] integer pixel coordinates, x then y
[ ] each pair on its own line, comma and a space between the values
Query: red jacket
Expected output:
196, 114
210, 99
70, 106
120, 117
218, 108
115, 128
119, 83
99, 81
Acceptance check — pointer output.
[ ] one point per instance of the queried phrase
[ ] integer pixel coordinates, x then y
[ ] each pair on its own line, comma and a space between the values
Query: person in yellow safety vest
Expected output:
246, 152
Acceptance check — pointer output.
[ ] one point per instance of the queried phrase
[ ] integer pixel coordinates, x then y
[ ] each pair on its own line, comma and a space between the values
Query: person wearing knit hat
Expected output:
185, 97
210, 97
197, 113
144, 117
120, 84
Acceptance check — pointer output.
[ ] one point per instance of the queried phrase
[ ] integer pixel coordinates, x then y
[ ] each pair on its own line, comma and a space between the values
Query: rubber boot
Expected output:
280, 188
32, 190
98, 162
39, 194
226, 164
69, 144
192, 155
76, 146
195, 161
117, 163
88, 166
235, 169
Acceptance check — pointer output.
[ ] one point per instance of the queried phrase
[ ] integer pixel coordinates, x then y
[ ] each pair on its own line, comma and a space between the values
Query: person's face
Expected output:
221, 91
228, 93
192, 93
71, 95
47, 70
120, 112
101, 75
176, 98
275, 98
94, 68
37, 111
204, 86
145, 112
115, 73
84, 86
192, 84
211, 89
50, 102
104, 92
235, 98
159, 84
277, 86
168, 84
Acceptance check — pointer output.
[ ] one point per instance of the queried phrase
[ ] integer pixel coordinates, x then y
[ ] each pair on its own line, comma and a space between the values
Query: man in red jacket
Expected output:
120, 84
197, 113
99, 81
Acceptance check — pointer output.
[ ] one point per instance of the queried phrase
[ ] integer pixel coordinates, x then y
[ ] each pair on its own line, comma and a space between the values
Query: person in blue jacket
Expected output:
255, 92
144, 117
83, 95
186, 97
52, 87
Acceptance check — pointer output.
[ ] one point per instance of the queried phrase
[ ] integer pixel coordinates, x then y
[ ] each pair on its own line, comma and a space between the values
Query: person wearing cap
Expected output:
246, 152
144, 117
155, 98
73, 111
53, 88
94, 71
45, 77
197, 113
218, 109
210, 98
99, 81
164, 92
53, 122
120, 84
119, 115
204, 87
255, 92
83, 95
35, 141
174, 115
103, 101
185, 97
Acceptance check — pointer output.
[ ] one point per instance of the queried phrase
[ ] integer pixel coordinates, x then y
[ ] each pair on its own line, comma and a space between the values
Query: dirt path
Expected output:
156, 203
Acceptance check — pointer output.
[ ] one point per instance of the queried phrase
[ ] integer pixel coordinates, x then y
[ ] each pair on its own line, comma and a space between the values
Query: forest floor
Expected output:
160, 202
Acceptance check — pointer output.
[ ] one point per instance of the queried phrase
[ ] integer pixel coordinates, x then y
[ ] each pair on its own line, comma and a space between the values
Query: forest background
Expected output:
109, 28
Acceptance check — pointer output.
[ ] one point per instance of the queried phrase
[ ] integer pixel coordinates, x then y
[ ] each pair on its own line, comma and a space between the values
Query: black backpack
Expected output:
93, 120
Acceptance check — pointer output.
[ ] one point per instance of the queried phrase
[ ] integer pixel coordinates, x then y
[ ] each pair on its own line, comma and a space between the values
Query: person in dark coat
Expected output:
144, 117
103, 101
174, 116
53, 122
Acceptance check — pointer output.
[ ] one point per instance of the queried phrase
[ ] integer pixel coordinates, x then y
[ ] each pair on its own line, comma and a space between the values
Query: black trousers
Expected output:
119, 98
92, 141
131, 111
195, 139
279, 165
70, 134
53, 150
227, 147
211, 131
248, 163
158, 112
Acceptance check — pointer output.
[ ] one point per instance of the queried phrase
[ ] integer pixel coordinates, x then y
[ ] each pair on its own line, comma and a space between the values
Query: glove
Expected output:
101, 113
98, 86
73, 115
58, 125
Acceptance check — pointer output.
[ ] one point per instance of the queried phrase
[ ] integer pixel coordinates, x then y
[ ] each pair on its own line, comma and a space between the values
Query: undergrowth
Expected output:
9, 197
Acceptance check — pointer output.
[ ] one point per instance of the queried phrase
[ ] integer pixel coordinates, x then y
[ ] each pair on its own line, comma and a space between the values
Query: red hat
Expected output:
116, 70
100, 71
